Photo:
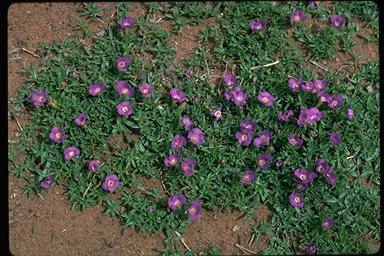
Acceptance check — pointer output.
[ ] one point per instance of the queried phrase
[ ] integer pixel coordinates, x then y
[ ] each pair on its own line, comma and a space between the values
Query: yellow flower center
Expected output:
295, 86
292, 141
303, 177
323, 99
145, 91
177, 203
97, 90
41, 98
71, 154
264, 99
125, 109
124, 91
110, 183
187, 168
246, 177
194, 138
218, 114
173, 161
192, 210
297, 18
297, 199
58, 135
337, 23
261, 162
334, 103
244, 137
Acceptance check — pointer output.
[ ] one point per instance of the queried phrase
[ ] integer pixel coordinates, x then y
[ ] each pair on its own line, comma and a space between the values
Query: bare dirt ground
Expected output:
46, 225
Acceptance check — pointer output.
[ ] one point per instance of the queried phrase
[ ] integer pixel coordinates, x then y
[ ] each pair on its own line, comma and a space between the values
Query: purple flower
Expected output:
258, 25
188, 166
188, 73
312, 4
335, 138
328, 223
350, 113
296, 200
96, 89
176, 202
177, 95
323, 97
330, 177
295, 84
47, 183
337, 21
295, 140
301, 186
248, 125
124, 89
304, 176
266, 99
93, 165
172, 160
263, 161
309, 116
187, 122
71, 152
38, 98
248, 177
124, 109
57, 135
321, 166
151, 209
80, 119
307, 86
196, 136
312, 248
146, 90
217, 114
257, 142
244, 138
237, 96
279, 163
194, 210
297, 16
111, 183
335, 101
265, 137
229, 79
123, 63
128, 22
178, 142
284, 116
320, 85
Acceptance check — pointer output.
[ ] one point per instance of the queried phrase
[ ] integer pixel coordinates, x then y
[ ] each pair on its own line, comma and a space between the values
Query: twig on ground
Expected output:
30, 52
161, 18
251, 240
343, 66
18, 124
266, 65
89, 186
244, 249
41, 197
99, 20
182, 240
318, 65
113, 13
162, 183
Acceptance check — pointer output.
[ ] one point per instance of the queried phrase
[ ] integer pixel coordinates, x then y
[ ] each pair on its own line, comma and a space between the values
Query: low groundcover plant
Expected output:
275, 138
